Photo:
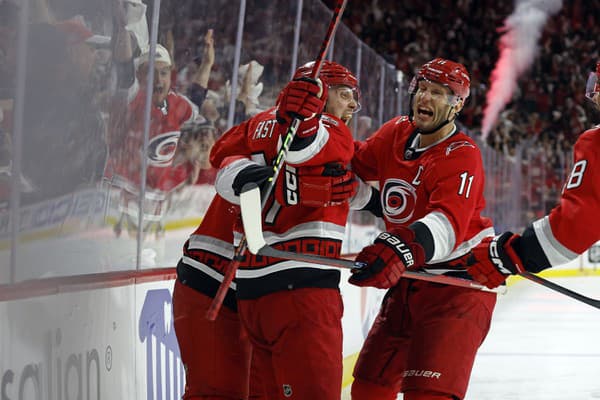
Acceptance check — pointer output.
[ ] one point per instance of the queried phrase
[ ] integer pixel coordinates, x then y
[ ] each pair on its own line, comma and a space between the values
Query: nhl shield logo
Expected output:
287, 390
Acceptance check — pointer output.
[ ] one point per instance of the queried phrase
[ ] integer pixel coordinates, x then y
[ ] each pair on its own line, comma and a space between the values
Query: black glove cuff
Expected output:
252, 173
300, 143
374, 204
530, 251
280, 118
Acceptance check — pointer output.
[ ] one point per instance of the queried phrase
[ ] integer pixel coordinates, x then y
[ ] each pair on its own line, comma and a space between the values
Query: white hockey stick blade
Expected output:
252, 217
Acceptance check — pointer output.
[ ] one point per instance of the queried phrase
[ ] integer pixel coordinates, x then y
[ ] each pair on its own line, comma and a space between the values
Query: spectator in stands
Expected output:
169, 111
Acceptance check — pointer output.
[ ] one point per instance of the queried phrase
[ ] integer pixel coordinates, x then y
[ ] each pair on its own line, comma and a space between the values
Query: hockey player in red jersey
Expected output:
569, 229
217, 354
430, 175
292, 310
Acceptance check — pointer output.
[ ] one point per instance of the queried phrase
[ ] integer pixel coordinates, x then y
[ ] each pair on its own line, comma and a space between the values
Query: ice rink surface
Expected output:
542, 345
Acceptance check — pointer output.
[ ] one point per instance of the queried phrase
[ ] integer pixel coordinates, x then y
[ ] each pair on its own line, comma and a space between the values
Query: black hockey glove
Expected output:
255, 173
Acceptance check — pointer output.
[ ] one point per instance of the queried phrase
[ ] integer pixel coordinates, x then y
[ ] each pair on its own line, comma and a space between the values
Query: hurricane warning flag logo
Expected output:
457, 145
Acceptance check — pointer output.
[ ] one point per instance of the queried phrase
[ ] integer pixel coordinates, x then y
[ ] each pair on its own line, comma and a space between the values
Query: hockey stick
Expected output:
544, 282
252, 221
560, 289
217, 302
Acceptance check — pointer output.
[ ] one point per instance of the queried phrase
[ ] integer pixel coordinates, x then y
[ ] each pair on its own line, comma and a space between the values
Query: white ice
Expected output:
542, 345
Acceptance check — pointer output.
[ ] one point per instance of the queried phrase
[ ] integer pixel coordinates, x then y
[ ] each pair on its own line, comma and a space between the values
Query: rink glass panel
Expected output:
66, 123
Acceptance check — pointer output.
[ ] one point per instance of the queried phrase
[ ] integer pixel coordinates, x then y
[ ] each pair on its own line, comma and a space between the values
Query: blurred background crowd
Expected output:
548, 111
77, 107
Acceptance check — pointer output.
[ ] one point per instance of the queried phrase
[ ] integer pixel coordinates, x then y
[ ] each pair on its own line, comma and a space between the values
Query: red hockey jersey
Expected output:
573, 226
440, 185
161, 175
291, 228
209, 250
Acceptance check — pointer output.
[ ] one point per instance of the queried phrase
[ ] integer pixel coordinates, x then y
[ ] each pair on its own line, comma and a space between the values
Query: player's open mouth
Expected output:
423, 111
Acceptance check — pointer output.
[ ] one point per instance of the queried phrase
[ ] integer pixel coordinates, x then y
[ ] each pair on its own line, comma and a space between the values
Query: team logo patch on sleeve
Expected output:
458, 145
403, 118
329, 121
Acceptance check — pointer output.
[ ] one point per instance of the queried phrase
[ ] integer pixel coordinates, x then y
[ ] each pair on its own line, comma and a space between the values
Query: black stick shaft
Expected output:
560, 289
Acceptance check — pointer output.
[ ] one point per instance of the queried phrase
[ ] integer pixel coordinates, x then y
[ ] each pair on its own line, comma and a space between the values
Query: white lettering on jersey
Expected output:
264, 129
399, 199
465, 184
417, 181
576, 177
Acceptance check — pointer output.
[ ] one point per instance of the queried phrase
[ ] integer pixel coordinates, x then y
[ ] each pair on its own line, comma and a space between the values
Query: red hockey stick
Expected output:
217, 302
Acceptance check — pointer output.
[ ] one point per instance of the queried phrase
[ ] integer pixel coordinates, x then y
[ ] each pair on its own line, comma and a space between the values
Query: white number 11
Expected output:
465, 183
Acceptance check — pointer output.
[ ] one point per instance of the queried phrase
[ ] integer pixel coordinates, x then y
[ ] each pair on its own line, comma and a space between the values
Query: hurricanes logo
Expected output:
287, 390
161, 149
399, 199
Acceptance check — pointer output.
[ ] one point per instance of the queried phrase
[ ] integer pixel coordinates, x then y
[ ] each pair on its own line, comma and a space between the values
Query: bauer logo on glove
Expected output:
387, 259
400, 247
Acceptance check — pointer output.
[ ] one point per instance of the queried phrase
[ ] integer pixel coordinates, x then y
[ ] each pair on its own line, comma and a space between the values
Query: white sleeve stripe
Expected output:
305, 154
443, 234
362, 196
316, 229
467, 245
556, 253
226, 176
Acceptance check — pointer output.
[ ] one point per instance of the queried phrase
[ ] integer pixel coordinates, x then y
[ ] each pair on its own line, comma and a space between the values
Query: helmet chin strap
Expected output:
435, 129
432, 130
